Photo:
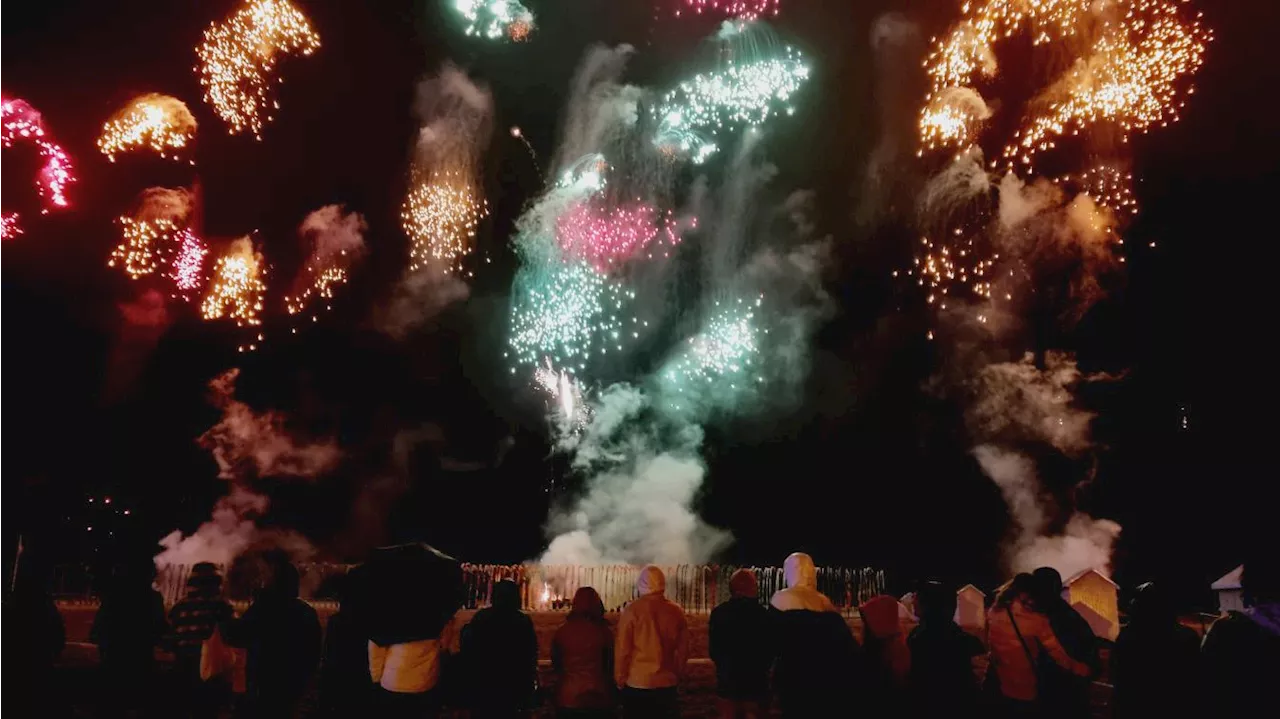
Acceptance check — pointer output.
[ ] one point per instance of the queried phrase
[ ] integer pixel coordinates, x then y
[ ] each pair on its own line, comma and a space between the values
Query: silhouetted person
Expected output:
1065, 694
742, 645
282, 635
127, 628
192, 621
652, 649
1154, 662
1241, 652
817, 665
345, 684
885, 658
1022, 642
500, 649
942, 681
34, 637
582, 659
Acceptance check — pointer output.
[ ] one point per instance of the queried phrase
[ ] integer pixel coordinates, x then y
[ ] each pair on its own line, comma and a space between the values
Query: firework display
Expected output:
742, 94
495, 19
940, 267
9, 227
19, 121
143, 246
187, 266
159, 123
723, 352
440, 216
606, 238
744, 9
567, 396
238, 286
1108, 185
238, 60
569, 314
1132, 57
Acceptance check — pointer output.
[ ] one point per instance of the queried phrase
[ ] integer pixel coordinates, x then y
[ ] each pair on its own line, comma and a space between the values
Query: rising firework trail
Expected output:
158, 123
238, 59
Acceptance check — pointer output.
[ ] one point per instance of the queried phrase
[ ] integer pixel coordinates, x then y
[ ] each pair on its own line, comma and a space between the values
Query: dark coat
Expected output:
818, 662
743, 644
582, 657
1241, 663
500, 651
282, 636
942, 680
1154, 670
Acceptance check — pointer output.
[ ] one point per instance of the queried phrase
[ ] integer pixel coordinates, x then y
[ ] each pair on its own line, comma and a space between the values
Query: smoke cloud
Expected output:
247, 446
165, 203
1020, 401
333, 232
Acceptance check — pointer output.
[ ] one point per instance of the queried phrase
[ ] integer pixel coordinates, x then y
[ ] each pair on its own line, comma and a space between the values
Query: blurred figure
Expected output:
582, 659
652, 648
942, 679
345, 683
500, 649
1022, 642
192, 621
743, 646
35, 633
127, 628
818, 659
1154, 662
886, 659
282, 635
1064, 693
1241, 652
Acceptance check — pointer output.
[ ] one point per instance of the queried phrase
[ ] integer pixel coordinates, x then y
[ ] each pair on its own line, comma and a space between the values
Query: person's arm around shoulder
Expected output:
623, 648
1043, 633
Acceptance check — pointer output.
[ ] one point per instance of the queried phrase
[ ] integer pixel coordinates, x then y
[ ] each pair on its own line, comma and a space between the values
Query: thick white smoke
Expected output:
333, 231
600, 108
1083, 543
247, 445
1018, 400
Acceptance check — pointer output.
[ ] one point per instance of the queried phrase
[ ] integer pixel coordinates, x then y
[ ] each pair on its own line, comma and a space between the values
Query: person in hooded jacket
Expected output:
582, 660
1154, 662
886, 658
500, 650
129, 625
743, 646
282, 635
942, 680
818, 660
1063, 693
652, 649
1241, 652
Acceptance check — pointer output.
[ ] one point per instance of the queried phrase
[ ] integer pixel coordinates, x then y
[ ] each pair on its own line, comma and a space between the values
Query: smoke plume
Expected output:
165, 203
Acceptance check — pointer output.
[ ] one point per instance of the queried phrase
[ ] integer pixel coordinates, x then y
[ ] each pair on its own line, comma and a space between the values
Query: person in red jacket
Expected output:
582, 659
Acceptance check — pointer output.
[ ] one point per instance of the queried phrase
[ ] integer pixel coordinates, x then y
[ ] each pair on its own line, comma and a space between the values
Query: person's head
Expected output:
880, 616
1048, 583
587, 603
935, 603
800, 571
742, 583
506, 596
651, 580
204, 581
285, 581
1021, 587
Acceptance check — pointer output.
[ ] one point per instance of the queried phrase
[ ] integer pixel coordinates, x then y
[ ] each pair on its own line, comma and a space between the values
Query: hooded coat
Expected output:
817, 656
742, 643
582, 655
653, 637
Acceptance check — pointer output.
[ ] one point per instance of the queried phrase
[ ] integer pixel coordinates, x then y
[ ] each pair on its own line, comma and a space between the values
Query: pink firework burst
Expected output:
9, 227
188, 264
741, 9
606, 238
22, 122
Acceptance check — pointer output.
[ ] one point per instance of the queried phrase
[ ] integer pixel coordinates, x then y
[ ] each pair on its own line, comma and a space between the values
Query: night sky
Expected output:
869, 470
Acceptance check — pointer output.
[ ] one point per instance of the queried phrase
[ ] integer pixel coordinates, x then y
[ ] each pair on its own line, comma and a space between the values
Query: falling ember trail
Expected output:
440, 216
238, 60
238, 287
